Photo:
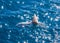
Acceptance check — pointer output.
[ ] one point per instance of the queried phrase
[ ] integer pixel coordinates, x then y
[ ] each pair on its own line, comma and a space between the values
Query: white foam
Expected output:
56, 19
18, 2
6, 24
36, 39
9, 36
36, 32
18, 42
31, 36
58, 7
25, 14
23, 26
49, 38
18, 16
48, 16
24, 42
51, 19
10, 31
10, 1
41, 4
39, 36
43, 41
23, 2
22, 17
46, 13
0, 26
49, 24
2, 7
37, 13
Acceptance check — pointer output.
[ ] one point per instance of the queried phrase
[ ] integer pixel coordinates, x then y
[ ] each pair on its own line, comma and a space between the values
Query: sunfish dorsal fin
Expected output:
35, 18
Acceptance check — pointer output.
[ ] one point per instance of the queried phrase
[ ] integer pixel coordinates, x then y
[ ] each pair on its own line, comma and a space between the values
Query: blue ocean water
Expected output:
15, 11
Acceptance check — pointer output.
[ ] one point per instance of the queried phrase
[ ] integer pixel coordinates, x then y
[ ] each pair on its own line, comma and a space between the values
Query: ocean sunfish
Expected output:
34, 21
